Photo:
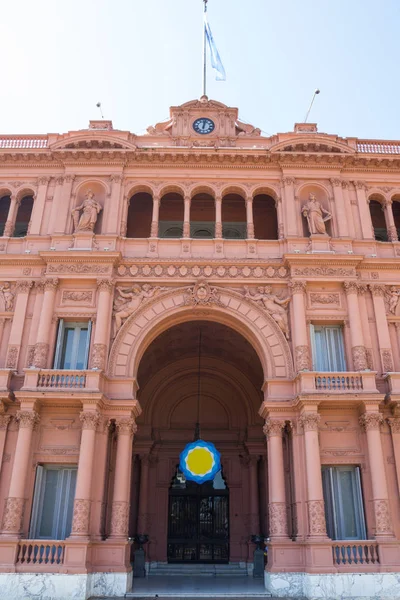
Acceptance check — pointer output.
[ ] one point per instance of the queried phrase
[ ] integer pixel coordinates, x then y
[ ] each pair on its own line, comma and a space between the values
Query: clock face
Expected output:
203, 125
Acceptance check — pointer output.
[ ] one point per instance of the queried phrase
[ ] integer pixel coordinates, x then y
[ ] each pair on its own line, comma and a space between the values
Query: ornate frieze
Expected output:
78, 268
325, 299
227, 271
323, 272
81, 297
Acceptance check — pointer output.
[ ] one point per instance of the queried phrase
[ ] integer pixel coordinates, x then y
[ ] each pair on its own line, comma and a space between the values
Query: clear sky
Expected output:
139, 57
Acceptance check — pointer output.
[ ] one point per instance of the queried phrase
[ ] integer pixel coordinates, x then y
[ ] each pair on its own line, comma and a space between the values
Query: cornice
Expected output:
80, 257
21, 260
322, 260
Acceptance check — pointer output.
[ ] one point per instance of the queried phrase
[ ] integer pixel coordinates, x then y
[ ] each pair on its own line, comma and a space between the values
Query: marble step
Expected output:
204, 570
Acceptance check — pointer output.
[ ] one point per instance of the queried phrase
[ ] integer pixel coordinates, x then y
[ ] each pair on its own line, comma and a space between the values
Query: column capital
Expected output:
376, 289
273, 427
89, 419
297, 287
360, 185
4, 421
27, 419
23, 287
287, 180
336, 182
351, 287
345, 185
69, 178
249, 198
126, 426
43, 180
371, 421
51, 284
394, 424
310, 421
106, 285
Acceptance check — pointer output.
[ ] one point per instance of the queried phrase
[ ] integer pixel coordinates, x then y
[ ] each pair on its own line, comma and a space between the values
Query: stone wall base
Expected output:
62, 586
337, 586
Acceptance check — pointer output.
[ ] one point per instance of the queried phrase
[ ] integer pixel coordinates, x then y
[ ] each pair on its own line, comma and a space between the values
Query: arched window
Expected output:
202, 216
396, 214
234, 222
23, 217
171, 216
378, 221
4, 208
265, 218
139, 216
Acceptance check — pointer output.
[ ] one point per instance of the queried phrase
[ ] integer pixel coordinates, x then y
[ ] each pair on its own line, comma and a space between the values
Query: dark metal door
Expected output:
198, 524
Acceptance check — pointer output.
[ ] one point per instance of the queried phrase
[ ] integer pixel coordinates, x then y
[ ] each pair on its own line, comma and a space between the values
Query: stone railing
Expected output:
336, 382
40, 552
11, 142
62, 380
355, 553
375, 147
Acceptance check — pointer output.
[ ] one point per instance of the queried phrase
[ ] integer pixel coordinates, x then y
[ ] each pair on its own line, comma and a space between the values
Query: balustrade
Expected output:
39, 552
336, 382
61, 379
355, 553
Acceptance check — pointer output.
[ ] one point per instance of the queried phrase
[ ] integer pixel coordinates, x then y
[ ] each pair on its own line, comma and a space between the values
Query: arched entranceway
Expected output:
231, 378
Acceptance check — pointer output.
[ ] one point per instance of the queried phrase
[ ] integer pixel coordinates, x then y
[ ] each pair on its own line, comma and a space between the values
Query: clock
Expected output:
203, 125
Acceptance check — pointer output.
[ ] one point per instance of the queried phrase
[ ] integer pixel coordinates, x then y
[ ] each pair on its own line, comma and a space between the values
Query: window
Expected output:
53, 502
327, 348
344, 510
72, 348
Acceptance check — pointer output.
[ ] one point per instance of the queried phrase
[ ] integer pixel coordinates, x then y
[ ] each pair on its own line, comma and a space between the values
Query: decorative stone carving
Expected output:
40, 355
12, 357
302, 358
213, 269
277, 519
80, 517
4, 421
382, 517
89, 419
51, 284
371, 421
27, 419
288, 180
370, 358
351, 287
202, 294
90, 211
392, 234
394, 424
70, 296
273, 427
387, 360
8, 296
23, 287
323, 272
377, 289
316, 517
129, 300
99, 354
316, 298
297, 287
314, 213
392, 299
310, 421
78, 268
105, 285
126, 426
359, 355
13, 515
119, 518
275, 306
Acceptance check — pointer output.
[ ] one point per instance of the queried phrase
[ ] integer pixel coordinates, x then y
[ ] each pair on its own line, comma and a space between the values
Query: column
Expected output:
341, 217
18, 323
143, 493
394, 424
38, 206
124, 219
358, 351
102, 332
33, 331
278, 528
42, 343
290, 206
315, 497
82, 501
280, 218
362, 303
363, 209
186, 216
15, 503
390, 226
371, 422
218, 217
154, 218
112, 218
349, 211
300, 337
253, 491
98, 505
63, 215
55, 205
4, 422
11, 217
126, 428
249, 218
385, 348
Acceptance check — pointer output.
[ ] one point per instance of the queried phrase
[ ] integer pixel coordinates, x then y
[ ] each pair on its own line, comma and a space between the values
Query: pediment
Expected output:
91, 140
312, 143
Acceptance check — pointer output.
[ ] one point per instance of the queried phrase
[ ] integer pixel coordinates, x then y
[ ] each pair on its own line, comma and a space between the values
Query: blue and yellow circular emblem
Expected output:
200, 461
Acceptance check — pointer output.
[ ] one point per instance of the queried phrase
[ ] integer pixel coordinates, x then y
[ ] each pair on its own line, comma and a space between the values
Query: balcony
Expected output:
336, 382
59, 380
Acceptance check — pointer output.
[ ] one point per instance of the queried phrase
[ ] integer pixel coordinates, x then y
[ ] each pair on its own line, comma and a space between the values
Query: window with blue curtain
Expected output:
327, 348
344, 511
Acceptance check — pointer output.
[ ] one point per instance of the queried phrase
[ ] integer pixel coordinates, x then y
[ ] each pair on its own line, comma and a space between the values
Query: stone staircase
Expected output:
241, 569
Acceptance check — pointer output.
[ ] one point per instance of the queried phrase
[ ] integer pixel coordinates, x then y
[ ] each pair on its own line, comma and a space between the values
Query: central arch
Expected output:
223, 305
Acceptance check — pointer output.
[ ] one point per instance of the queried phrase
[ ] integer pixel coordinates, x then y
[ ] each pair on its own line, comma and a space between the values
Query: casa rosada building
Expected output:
199, 273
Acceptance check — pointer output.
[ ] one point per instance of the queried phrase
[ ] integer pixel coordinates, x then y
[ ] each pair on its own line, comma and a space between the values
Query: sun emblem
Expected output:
200, 461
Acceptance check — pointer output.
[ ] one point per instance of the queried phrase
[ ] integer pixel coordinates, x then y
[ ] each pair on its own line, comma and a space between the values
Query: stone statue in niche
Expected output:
8, 296
392, 298
316, 216
128, 300
277, 307
90, 211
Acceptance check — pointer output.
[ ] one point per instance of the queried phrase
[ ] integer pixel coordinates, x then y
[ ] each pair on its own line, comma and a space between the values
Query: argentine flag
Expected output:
216, 62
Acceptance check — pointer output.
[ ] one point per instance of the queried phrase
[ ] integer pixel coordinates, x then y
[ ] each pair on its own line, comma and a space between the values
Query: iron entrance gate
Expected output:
198, 524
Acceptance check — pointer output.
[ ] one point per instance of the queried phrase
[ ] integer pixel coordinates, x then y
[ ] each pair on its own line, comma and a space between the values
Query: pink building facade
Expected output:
281, 254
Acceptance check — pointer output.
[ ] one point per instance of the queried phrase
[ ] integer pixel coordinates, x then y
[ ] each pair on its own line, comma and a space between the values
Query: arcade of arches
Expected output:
230, 380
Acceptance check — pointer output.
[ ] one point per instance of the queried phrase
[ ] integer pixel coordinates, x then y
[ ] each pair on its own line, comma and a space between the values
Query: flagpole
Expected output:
204, 52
